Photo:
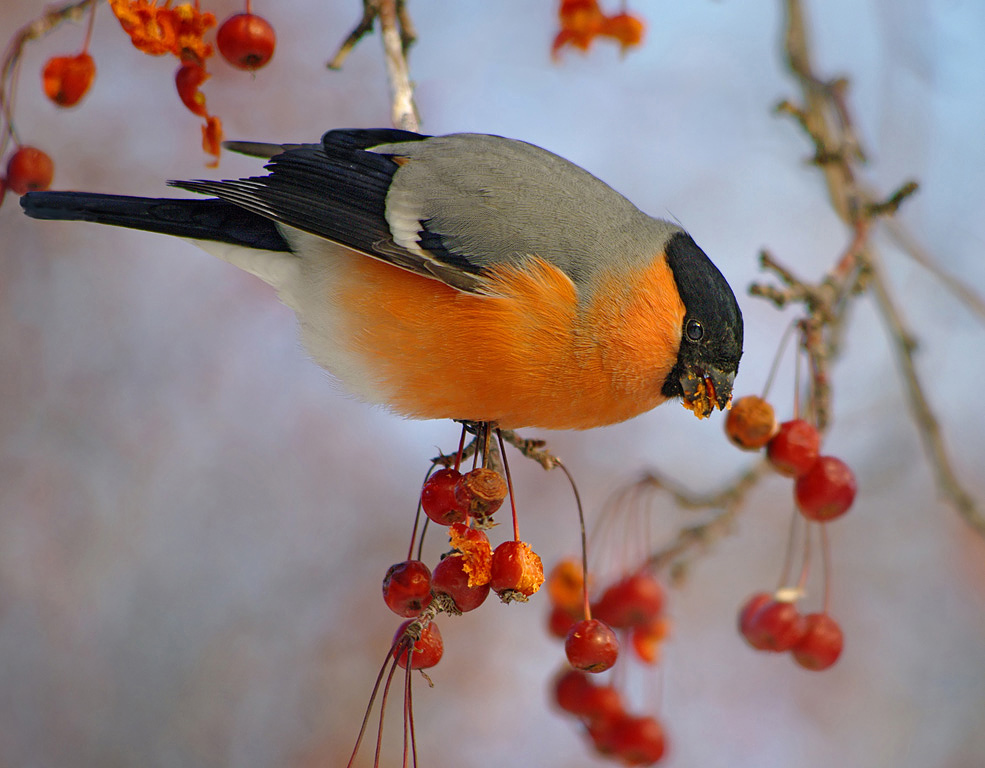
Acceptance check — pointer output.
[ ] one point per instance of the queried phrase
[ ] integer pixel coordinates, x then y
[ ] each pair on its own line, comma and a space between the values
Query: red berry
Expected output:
821, 644
775, 626
66, 79
407, 587
438, 498
591, 645
29, 169
517, 571
560, 621
602, 702
826, 490
246, 40
427, 650
187, 80
635, 599
750, 423
571, 690
638, 740
450, 578
749, 609
794, 448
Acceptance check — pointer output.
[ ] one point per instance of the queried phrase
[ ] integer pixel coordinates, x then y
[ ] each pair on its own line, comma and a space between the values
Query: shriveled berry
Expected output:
481, 492
450, 578
826, 490
776, 626
246, 40
28, 170
407, 587
750, 423
427, 650
517, 571
438, 498
634, 599
66, 79
187, 80
591, 646
821, 644
794, 448
639, 740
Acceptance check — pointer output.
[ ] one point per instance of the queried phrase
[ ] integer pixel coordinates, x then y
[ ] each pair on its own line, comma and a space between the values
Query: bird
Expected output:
466, 276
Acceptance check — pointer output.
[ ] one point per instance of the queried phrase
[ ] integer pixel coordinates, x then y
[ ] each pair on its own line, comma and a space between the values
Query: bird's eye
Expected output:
693, 330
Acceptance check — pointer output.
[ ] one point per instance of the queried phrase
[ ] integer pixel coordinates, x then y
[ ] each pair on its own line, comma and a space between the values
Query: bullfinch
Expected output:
467, 276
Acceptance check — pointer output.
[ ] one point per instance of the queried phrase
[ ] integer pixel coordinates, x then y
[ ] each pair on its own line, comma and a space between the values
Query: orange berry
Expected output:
751, 423
28, 170
67, 79
565, 585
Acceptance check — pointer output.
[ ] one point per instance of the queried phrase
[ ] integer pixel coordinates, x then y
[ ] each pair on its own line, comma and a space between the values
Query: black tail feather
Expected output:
197, 219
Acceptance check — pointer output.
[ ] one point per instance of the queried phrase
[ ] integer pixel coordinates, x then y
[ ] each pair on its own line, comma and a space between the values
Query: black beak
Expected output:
704, 390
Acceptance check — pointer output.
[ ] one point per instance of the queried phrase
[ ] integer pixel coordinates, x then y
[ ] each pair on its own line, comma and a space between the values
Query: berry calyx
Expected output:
28, 170
591, 646
794, 448
775, 626
826, 490
438, 498
66, 79
407, 587
481, 492
428, 649
750, 423
246, 41
517, 571
450, 578
821, 644
633, 600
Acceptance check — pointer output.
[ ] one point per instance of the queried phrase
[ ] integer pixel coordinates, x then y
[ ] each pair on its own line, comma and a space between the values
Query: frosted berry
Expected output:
427, 650
591, 646
246, 41
438, 498
821, 644
407, 587
750, 423
826, 491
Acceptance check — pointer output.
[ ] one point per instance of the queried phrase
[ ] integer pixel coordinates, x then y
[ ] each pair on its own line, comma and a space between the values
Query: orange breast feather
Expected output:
530, 355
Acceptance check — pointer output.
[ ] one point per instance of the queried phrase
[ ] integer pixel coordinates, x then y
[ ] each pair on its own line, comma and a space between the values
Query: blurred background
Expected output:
194, 522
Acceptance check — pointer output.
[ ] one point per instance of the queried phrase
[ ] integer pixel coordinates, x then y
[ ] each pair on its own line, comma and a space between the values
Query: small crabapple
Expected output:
517, 571
635, 599
750, 423
28, 170
438, 498
591, 645
427, 650
66, 79
826, 490
481, 492
775, 626
450, 578
639, 740
407, 587
794, 448
821, 644
246, 40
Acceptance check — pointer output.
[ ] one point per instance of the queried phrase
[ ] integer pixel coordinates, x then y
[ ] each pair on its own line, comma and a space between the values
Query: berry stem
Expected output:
788, 557
417, 520
461, 448
386, 691
774, 367
584, 537
806, 566
825, 566
92, 20
369, 707
509, 484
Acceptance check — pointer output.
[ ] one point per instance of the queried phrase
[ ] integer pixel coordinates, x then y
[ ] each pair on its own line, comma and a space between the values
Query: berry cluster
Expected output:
633, 606
824, 489
582, 21
245, 40
464, 503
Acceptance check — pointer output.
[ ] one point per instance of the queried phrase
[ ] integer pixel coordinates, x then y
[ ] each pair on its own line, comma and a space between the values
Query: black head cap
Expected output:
711, 335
